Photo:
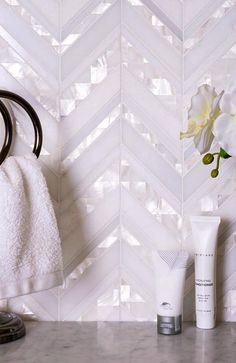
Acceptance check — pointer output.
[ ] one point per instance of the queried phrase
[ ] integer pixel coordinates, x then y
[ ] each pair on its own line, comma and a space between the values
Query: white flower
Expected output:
201, 116
225, 126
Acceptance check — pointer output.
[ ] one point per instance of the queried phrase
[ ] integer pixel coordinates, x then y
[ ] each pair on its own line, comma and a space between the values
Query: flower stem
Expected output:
218, 162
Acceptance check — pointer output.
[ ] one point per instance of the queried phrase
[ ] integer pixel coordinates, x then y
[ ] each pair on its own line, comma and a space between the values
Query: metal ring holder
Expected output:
38, 133
11, 325
8, 132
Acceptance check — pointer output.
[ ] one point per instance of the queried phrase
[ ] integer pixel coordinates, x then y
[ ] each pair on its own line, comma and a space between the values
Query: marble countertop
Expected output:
72, 342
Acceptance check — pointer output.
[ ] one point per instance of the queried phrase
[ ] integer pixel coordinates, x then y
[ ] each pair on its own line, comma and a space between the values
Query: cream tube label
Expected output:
205, 230
205, 284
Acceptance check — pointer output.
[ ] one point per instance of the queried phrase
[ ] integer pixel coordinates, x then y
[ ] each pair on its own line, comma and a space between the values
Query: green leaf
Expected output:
224, 154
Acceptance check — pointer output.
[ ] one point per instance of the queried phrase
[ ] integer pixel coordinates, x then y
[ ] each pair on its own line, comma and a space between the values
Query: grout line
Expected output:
120, 158
59, 144
182, 126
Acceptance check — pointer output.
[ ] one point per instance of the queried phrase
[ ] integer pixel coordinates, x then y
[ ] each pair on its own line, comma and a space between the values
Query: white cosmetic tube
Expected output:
205, 231
170, 271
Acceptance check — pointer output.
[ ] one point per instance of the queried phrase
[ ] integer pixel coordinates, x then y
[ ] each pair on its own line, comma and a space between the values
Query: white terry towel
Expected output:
30, 247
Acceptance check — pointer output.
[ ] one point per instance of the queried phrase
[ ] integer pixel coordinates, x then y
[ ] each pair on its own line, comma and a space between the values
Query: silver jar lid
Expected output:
169, 325
11, 327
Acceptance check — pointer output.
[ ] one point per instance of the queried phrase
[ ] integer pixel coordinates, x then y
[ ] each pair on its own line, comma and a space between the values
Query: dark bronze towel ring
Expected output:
8, 124
8, 132
11, 325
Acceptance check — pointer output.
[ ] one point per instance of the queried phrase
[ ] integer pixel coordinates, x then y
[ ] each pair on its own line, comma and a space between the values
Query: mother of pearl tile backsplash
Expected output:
111, 81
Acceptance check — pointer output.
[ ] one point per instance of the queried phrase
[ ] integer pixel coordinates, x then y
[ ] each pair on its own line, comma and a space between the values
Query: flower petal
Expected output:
201, 104
192, 130
224, 130
215, 111
228, 103
204, 138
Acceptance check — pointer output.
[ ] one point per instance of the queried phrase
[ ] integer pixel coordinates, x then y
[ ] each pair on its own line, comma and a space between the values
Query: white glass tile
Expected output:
157, 206
152, 139
92, 137
80, 28
21, 71
156, 23
148, 74
98, 71
34, 24
208, 24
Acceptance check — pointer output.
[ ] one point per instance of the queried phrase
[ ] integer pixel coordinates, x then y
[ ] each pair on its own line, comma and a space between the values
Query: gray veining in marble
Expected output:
120, 342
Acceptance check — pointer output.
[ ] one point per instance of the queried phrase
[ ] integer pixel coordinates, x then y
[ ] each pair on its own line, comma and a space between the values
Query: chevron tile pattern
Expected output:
111, 81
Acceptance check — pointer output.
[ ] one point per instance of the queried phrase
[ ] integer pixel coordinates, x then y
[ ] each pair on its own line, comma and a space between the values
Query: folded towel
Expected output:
30, 247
